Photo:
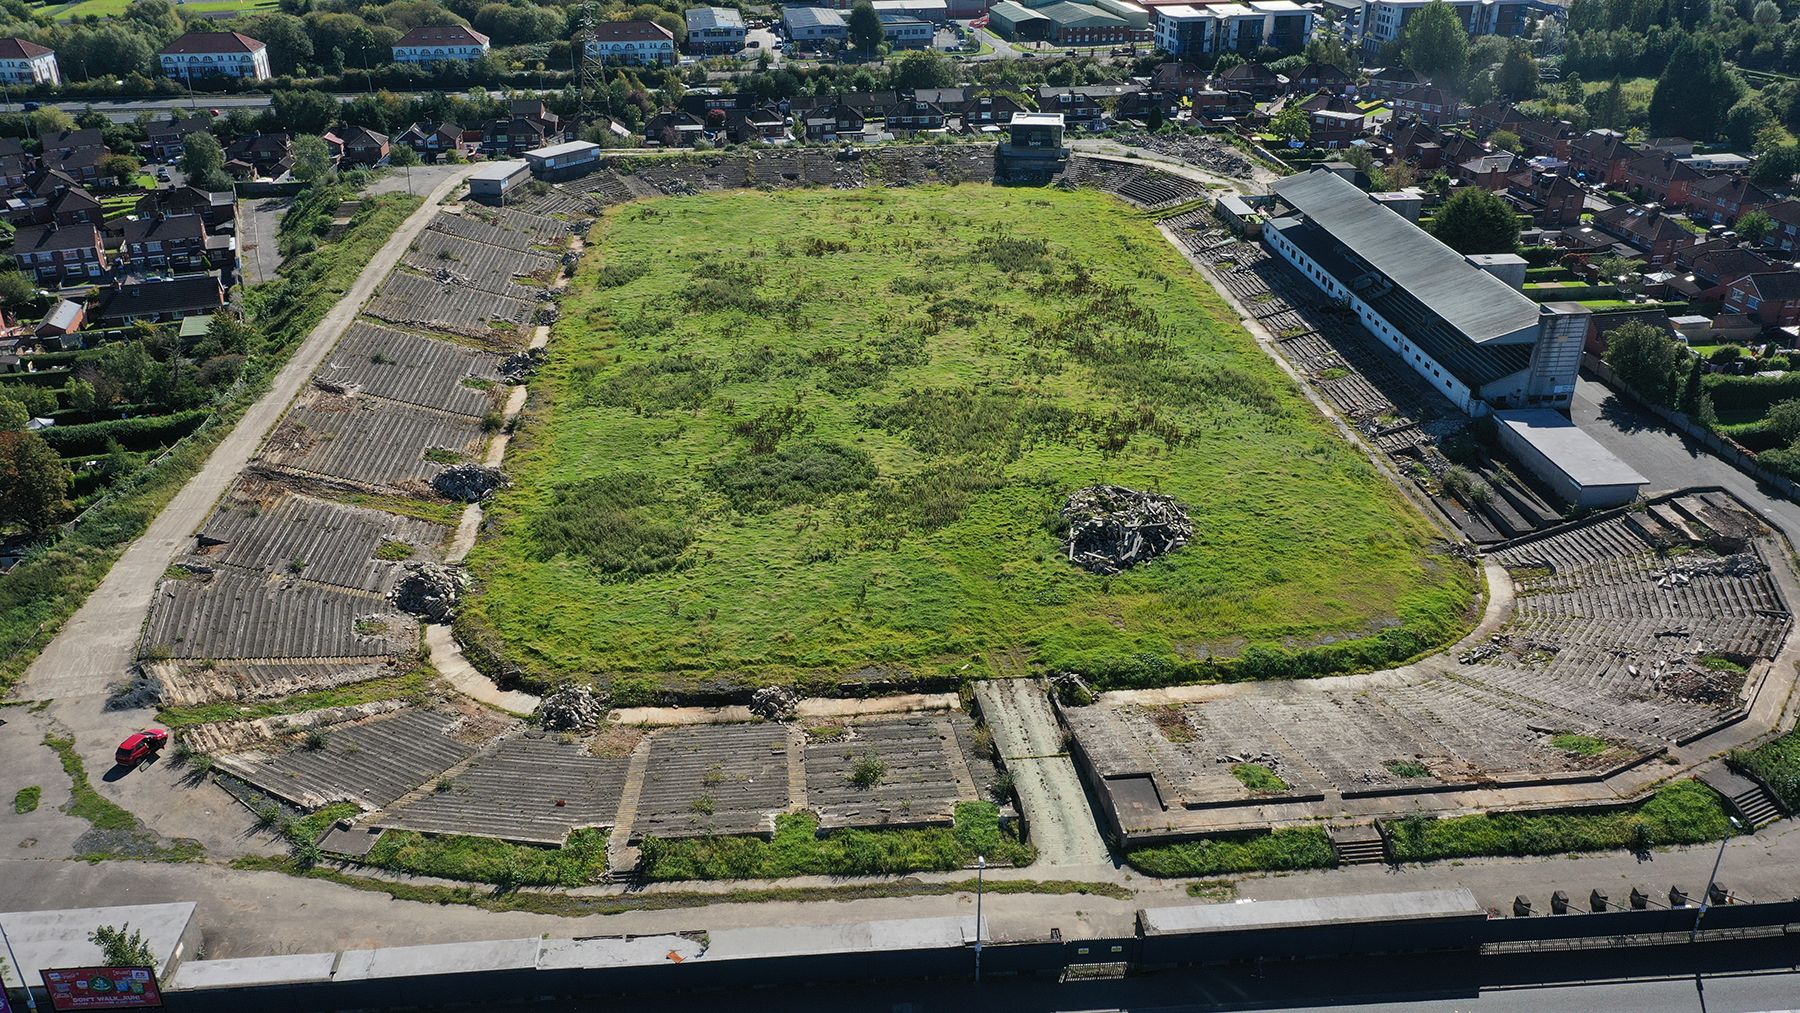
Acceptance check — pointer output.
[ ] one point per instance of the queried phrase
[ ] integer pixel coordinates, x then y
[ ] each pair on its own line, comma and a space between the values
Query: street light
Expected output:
980, 867
1706, 898
13, 959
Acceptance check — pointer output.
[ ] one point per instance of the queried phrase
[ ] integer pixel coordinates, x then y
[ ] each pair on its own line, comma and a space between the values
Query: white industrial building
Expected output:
1576, 467
1186, 30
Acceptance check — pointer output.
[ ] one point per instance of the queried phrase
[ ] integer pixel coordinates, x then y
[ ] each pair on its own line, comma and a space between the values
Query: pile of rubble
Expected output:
468, 483
571, 708
775, 703
1204, 152
1111, 528
519, 366
429, 591
1683, 568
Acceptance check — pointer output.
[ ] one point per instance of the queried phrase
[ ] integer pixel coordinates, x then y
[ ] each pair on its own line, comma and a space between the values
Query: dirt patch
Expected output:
616, 741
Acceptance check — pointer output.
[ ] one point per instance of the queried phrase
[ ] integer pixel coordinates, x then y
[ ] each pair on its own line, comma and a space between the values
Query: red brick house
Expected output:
1723, 198
60, 254
1600, 156
1786, 233
165, 242
1553, 200
1773, 299
363, 146
1663, 178
1431, 105
1653, 234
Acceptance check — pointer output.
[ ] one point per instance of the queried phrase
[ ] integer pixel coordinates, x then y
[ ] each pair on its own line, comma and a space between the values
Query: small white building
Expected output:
440, 44
813, 24
215, 54
903, 31
493, 181
1575, 466
25, 62
563, 161
632, 42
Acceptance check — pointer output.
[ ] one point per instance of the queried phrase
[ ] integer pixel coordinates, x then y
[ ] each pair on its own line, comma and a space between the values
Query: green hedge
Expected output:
1685, 812
1750, 394
143, 433
1778, 764
1296, 848
797, 849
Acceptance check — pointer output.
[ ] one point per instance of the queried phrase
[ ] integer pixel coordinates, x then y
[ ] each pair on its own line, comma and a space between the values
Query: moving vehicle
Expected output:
141, 746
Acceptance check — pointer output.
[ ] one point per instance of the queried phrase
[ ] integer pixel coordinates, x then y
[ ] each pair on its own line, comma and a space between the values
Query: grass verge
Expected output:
1685, 812
572, 906
1278, 850
350, 694
797, 849
119, 834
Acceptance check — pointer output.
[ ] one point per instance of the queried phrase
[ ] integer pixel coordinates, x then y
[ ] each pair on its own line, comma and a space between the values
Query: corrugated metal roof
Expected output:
811, 17
1571, 451
1482, 307
701, 19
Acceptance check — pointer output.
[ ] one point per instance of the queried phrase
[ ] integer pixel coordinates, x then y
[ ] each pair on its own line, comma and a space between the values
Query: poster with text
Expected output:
83, 988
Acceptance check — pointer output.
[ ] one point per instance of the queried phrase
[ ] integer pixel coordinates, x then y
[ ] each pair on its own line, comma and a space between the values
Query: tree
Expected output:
1767, 13
1506, 140
16, 289
312, 159
1784, 420
1644, 358
302, 112
864, 27
1692, 390
1745, 121
1622, 272
1476, 221
203, 162
121, 949
1694, 91
34, 483
403, 155
1436, 44
1755, 227
923, 69
1292, 124
13, 414
1517, 78
1776, 167
1606, 107
123, 168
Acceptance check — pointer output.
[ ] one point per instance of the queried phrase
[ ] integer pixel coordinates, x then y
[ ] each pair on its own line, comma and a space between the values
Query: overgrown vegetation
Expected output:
1778, 764
838, 428
1259, 779
579, 862
1685, 812
1292, 848
27, 798
409, 685
118, 832
797, 849
39, 594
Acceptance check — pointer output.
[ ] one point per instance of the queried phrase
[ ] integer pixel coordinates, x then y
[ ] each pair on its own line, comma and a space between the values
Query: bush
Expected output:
1685, 812
579, 862
1294, 848
133, 434
801, 472
612, 522
797, 849
1777, 763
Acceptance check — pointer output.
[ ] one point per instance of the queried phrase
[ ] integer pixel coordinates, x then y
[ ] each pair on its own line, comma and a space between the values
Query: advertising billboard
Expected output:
83, 988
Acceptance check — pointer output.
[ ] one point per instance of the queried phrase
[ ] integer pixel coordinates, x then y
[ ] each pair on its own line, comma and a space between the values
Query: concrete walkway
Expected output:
1029, 739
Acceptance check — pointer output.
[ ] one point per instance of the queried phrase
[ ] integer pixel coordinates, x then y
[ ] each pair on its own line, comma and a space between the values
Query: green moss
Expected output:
797, 849
1259, 779
850, 419
27, 799
1685, 812
1292, 848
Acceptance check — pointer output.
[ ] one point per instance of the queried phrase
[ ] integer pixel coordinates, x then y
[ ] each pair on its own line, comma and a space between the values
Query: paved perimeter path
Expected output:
1029, 740
94, 649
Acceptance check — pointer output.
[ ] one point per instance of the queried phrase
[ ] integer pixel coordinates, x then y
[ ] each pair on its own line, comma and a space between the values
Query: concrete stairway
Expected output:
1358, 845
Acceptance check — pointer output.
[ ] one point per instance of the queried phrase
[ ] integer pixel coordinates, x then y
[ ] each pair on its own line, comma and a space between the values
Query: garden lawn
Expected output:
784, 436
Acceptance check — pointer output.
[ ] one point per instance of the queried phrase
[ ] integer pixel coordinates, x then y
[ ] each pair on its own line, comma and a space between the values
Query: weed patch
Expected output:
1295, 848
1685, 812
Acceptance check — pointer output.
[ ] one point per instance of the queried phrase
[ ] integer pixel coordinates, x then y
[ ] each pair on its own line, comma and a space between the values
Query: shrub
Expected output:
867, 771
612, 522
801, 472
1293, 848
1777, 763
1259, 779
1686, 812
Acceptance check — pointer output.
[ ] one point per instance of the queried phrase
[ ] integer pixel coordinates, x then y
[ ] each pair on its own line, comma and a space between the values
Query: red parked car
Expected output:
141, 746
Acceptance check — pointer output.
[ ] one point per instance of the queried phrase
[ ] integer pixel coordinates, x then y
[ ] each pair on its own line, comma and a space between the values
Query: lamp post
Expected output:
13, 959
1706, 898
980, 868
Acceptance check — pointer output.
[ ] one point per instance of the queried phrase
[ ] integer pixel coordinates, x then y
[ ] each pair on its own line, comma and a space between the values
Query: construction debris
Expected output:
468, 483
429, 591
519, 366
1111, 528
1683, 569
1072, 690
775, 703
571, 708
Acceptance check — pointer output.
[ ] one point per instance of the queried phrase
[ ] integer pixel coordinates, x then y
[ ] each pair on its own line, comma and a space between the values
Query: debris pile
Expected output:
1201, 151
468, 483
1111, 528
1684, 568
775, 703
429, 591
571, 708
1072, 689
445, 276
1703, 685
519, 366
141, 690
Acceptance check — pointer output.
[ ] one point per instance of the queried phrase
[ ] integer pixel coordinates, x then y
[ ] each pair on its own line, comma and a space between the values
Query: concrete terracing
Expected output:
1629, 634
